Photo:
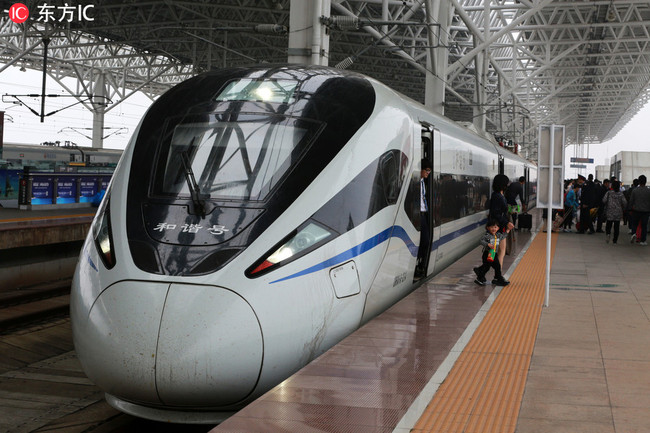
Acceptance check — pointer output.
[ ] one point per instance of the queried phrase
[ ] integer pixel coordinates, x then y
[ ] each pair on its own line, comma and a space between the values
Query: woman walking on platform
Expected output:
615, 204
499, 210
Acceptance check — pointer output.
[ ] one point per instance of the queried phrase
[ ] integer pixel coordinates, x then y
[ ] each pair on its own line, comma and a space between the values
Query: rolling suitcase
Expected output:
525, 221
559, 220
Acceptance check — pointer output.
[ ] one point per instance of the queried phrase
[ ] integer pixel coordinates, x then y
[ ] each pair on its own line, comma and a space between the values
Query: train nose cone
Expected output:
209, 349
172, 344
115, 337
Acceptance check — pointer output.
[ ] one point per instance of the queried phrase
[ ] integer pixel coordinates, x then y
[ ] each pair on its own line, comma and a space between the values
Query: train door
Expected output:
502, 164
427, 235
435, 198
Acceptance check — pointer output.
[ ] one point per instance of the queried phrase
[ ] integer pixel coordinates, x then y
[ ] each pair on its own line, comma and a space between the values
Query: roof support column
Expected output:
99, 109
308, 38
500, 111
481, 64
515, 62
437, 18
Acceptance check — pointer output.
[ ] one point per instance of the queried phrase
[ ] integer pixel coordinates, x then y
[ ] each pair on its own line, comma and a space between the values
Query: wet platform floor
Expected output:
368, 381
583, 365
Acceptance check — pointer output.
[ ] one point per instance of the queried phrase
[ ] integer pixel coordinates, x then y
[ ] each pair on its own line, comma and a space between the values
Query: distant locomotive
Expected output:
257, 217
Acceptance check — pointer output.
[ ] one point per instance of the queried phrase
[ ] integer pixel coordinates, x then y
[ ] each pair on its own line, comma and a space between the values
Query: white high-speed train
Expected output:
256, 218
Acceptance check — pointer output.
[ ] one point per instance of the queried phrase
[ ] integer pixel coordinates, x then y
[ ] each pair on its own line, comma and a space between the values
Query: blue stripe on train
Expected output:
391, 232
456, 234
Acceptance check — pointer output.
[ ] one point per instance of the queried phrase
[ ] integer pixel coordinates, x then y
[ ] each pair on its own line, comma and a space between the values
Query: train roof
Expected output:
465, 127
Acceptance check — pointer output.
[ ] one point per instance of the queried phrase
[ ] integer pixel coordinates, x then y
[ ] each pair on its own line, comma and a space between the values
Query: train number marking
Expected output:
399, 279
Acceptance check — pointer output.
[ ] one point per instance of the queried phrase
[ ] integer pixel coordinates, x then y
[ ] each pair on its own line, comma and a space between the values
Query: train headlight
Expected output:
302, 241
103, 234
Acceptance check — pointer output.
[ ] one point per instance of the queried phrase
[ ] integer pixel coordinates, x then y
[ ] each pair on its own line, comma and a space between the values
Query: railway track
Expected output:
42, 384
21, 307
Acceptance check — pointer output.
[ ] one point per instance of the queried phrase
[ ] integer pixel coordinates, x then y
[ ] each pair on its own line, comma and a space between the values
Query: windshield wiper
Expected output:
195, 192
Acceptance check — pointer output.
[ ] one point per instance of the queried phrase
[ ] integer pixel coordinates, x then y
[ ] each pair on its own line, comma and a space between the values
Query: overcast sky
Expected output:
22, 126
635, 136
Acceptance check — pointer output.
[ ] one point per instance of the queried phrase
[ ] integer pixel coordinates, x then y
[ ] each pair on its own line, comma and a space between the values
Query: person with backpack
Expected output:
514, 190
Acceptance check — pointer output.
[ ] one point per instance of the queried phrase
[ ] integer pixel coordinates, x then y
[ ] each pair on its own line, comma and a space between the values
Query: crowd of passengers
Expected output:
593, 205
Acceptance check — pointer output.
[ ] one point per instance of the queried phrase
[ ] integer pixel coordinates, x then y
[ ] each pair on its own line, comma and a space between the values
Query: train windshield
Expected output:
232, 160
246, 89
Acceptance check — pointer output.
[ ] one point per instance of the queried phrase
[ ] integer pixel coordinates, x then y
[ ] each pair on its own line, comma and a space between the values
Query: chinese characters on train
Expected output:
191, 228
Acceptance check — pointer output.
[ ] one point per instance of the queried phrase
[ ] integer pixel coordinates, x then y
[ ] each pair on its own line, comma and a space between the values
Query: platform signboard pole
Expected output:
2, 132
550, 183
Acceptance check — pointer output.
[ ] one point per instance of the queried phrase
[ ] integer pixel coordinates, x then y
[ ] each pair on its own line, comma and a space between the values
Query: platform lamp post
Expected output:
550, 183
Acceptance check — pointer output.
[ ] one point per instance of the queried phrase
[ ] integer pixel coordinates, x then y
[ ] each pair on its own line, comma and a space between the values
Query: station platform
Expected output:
27, 228
16, 217
40, 246
457, 357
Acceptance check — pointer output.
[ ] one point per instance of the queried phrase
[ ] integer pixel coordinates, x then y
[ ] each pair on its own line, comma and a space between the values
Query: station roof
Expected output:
583, 64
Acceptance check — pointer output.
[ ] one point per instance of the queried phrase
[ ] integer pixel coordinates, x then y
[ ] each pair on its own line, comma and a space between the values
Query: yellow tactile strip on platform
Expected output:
484, 389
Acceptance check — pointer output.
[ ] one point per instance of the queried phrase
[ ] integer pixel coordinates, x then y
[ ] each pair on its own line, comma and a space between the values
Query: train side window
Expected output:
412, 201
377, 186
391, 179
448, 196
461, 195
